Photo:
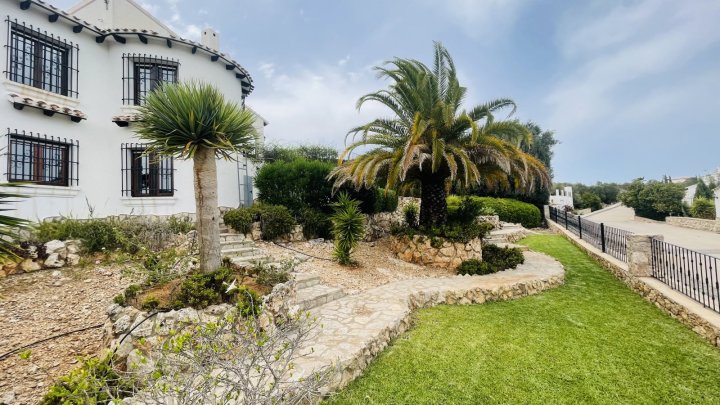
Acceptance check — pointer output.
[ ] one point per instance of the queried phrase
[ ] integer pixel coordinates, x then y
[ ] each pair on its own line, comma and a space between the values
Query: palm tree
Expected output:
430, 141
193, 121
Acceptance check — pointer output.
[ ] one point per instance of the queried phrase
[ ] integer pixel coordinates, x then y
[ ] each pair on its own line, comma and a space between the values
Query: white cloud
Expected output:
267, 70
645, 45
314, 105
480, 19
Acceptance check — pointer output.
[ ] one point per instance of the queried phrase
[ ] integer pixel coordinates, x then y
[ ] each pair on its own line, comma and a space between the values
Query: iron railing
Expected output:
692, 273
612, 241
41, 159
36, 58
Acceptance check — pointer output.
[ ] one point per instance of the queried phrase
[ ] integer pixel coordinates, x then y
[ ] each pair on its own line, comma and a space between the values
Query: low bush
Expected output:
94, 382
507, 209
411, 214
296, 184
249, 303
201, 290
453, 232
240, 219
494, 259
316, 224
275, 221
703, 208
269, 275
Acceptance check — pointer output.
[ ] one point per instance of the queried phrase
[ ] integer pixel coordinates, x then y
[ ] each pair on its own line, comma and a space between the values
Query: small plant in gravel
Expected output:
348, 227
96, 381
270, 274
200, 290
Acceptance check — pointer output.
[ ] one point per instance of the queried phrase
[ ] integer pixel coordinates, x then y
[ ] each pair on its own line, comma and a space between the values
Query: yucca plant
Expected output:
348, 227
9, 227
430, 141
194, 121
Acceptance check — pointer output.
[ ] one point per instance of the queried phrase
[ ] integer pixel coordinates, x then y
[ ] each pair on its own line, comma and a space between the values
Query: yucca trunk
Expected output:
206, 208
433, 204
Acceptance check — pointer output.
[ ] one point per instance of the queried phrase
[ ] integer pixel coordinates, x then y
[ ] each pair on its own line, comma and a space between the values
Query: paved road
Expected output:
624, 218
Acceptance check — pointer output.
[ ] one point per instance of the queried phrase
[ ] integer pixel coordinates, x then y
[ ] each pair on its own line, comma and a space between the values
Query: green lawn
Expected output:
591, 341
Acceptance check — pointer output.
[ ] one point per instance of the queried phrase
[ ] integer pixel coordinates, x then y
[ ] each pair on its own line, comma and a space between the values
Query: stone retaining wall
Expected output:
419, 249
702, 321
710, 225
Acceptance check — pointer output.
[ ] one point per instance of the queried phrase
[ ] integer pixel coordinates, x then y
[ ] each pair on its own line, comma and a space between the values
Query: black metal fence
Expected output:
692, 273
612, 241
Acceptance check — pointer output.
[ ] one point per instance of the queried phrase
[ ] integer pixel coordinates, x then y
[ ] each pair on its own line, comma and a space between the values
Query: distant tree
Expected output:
588, 199
653, 199
279, 153
541, 145
703, 208
704, 190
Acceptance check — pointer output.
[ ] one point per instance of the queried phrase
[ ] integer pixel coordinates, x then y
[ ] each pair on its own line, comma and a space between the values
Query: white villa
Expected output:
73, 81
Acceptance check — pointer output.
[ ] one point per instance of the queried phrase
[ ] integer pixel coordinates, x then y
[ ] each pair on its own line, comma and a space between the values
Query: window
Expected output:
42, 61
146, 174
42, 160
143, 74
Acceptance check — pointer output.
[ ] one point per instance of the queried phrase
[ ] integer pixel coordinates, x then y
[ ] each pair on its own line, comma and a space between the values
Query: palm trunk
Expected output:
433, 204
206, 208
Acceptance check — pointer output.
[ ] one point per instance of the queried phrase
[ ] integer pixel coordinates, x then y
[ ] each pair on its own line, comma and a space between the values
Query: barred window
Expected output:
40, 60
146, 174
42, 160
143, 74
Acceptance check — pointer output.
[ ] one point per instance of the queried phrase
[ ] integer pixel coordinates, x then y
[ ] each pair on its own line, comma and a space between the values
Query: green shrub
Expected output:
180, 225
348, 227
150, 304
385, 201
249, 303
703, 208
411, 214
132, 291
275, 221
454, 232
508, 210
269, 275
316, 224
94, 382
120, 300
466, 211
474, 267
296, 185
201, 290
240, 219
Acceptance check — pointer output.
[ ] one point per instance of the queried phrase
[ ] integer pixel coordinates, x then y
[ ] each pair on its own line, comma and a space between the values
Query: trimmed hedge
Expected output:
275, 220
507, 209
296, 185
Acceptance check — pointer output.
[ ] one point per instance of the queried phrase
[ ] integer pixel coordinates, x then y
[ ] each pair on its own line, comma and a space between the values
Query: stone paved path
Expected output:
354, 329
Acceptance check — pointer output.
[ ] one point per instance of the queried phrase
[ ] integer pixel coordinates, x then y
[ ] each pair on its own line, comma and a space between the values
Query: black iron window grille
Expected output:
42, 159
146, 174
41, 60
143, 74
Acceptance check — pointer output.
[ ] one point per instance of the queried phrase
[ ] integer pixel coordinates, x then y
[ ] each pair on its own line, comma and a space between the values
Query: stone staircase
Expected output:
241, 250
507, 235
311, 294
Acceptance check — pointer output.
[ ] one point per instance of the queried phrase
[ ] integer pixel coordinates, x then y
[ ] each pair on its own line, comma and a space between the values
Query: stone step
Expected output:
231, 236
305, 280
233, 244
240, 252
314, 296
522, 248
249, 261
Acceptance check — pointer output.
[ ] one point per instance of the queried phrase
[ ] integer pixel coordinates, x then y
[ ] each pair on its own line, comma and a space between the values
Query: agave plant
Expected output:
348, 227
194, 121
9, 226
430, 141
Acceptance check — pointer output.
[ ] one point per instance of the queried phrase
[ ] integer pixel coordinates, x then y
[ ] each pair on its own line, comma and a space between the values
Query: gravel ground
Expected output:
42, 304
377, 265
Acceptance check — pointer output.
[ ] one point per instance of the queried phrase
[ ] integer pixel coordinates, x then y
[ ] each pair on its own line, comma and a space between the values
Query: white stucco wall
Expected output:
717, 203
562, 198
100, 97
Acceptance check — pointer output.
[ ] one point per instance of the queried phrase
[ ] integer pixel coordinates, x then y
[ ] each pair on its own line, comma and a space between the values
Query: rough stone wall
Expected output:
665, 303
420, 250
710, 225
131, 331
51, 255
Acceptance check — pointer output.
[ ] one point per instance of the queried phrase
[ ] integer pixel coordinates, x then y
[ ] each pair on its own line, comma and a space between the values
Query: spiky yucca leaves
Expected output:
348, 227
430, 140
194, 121
9, 227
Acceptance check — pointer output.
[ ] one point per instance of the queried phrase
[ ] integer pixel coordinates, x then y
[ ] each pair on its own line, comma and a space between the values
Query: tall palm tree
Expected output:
194, 121
429, 140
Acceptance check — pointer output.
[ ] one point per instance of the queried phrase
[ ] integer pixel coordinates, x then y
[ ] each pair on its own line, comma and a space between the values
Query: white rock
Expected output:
54, 261
7, 398
28, 265
72, 246
73, 259
55, 246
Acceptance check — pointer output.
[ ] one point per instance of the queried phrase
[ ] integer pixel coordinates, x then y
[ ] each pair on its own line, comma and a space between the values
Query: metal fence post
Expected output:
580, 225
566, 224
602, 236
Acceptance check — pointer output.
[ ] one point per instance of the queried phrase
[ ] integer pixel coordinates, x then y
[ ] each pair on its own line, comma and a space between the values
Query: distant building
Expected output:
690, 194
562, 198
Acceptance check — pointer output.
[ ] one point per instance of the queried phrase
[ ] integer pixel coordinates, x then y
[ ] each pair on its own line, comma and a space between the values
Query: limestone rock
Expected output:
55, 246
54, 261
72, 246
73, 259
29, 265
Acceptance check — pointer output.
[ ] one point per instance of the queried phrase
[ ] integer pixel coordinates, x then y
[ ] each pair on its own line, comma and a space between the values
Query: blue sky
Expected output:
632, 88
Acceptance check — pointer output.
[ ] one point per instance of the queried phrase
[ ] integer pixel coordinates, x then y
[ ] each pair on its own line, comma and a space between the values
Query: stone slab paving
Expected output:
353, 330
